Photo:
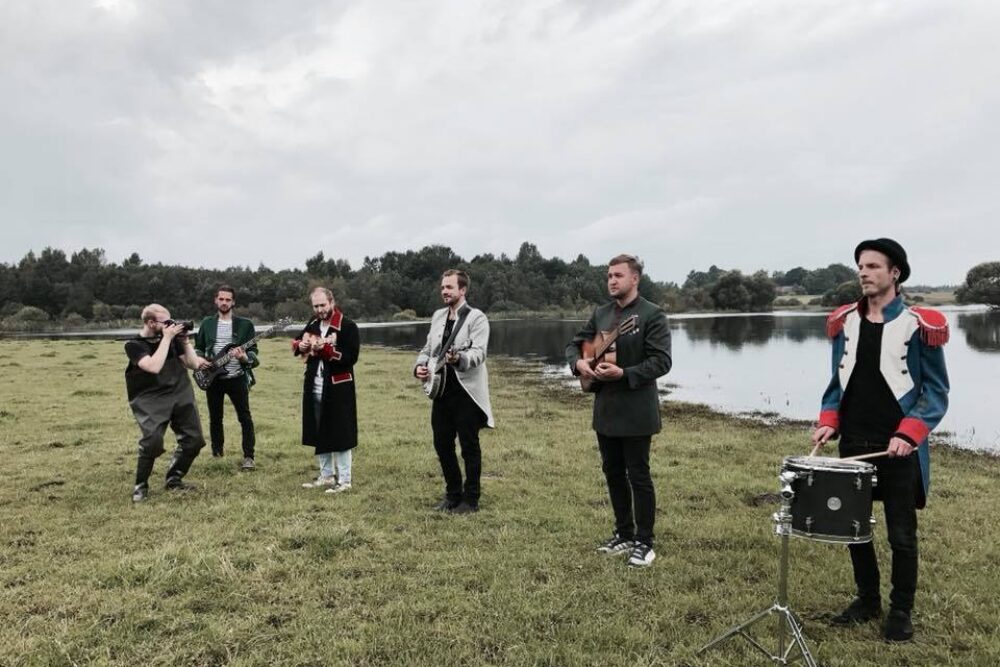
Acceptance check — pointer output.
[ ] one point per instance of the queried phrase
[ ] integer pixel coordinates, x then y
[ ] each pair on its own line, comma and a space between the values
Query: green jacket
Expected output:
243, 330
629, 406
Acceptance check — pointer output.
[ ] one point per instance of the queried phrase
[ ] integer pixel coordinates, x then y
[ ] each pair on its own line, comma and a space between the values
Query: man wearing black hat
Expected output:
889, 389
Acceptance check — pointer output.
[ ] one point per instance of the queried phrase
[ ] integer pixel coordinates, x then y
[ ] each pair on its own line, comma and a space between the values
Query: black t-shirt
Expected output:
868, 410
138, 381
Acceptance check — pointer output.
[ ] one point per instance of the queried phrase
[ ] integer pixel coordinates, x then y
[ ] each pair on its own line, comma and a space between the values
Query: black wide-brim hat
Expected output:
890, 249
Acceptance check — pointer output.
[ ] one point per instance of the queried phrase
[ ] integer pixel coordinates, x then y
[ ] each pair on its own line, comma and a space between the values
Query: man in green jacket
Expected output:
215, 334
626, 405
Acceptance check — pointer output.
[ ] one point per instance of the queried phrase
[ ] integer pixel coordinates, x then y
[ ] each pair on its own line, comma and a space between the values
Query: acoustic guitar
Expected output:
597, 350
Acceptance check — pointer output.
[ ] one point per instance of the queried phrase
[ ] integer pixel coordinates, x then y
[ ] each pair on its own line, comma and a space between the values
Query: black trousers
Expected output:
630, 486
456, 414
154, 413
238, 392
898, 481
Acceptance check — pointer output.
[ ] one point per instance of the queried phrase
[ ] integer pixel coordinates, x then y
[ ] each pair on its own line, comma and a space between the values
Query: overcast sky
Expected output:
750, 135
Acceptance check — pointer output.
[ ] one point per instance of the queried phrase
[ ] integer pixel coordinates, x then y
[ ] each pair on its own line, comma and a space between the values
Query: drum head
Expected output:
827, 463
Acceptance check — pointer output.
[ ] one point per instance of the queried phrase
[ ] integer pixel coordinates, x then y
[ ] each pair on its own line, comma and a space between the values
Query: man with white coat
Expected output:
462, 407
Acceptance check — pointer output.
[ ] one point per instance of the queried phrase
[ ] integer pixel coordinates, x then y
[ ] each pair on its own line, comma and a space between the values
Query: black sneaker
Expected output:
898, 627
859, 611
446, 505
217, 453
464, 508
616, 545
248, 464
140, 493
178, 484
642, 555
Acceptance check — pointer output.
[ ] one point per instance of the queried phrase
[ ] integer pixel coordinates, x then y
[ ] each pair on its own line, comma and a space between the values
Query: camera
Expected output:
187, 324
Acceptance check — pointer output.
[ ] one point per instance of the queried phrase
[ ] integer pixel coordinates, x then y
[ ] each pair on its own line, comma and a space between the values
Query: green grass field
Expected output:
251, 569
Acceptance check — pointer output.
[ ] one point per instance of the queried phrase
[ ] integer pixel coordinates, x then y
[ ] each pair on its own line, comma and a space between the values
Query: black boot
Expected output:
861, 610
179, 465
898, 627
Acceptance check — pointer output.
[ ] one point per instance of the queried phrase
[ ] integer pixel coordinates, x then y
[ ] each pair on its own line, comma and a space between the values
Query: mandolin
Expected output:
597, 350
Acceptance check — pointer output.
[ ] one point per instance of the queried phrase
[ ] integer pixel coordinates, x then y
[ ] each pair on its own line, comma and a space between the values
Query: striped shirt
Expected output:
223, 337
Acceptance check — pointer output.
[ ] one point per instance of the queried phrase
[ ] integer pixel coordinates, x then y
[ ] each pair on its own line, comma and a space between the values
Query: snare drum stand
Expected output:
788, 622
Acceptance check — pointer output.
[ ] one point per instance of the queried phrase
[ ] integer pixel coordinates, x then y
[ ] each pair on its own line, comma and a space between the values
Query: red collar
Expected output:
336, 320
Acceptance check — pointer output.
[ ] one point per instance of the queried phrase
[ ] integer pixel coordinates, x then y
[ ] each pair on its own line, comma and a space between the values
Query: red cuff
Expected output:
830, 418
330, 352
913, 429
295, 345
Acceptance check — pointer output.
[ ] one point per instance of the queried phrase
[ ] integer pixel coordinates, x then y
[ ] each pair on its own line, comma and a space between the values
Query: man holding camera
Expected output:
215, 335
160, 395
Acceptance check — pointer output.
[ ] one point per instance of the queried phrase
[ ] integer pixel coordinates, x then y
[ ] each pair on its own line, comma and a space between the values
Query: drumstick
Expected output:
862, 457
816, 449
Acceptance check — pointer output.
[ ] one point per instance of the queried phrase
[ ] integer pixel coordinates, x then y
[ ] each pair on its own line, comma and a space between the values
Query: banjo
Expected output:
437, 369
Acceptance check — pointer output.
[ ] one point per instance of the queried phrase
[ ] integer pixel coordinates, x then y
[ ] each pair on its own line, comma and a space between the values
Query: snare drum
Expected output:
832, 499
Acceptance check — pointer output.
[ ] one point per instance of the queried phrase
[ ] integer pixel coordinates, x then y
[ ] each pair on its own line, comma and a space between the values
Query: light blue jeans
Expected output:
339, 460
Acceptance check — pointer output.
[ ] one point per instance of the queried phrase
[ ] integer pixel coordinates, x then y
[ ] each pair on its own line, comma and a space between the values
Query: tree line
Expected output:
51, 289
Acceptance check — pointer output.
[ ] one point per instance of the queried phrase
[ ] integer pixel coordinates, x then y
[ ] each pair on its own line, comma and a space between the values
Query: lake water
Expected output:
773, 363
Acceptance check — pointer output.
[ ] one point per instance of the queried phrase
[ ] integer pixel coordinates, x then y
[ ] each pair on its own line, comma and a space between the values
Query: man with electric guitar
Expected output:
225, 334
452, 367
619, 354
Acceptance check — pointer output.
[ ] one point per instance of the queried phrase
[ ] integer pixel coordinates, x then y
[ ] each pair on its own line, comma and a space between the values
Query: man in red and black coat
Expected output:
330, 345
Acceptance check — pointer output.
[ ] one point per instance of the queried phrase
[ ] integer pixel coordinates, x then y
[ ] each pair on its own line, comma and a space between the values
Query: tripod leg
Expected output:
736, 629
798, 639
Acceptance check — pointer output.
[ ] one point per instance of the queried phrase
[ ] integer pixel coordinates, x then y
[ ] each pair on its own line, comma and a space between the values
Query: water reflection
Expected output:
732, 332
776, 363
982, 330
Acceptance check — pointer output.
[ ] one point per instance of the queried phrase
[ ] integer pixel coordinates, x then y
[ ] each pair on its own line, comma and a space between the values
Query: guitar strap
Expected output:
462, 314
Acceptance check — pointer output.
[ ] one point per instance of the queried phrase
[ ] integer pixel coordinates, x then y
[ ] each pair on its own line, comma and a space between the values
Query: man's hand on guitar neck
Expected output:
239, 355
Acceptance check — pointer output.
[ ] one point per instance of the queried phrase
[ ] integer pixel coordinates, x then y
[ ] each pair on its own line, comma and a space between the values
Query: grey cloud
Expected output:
796, 128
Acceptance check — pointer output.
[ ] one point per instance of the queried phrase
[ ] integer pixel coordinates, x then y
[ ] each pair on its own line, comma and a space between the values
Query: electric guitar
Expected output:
596, 350
204, 377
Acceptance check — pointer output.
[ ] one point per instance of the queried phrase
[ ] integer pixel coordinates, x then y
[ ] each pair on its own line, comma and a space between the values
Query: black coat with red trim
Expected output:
338, 427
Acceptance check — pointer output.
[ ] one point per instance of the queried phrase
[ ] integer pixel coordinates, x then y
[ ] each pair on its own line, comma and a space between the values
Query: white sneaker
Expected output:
339, 488
320, 482
616, 545
642, 555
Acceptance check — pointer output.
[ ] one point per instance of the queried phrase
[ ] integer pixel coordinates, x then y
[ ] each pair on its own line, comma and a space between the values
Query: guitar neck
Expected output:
603, 347
276, 328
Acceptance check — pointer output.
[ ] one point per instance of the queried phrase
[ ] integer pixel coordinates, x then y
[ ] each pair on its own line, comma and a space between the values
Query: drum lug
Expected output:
858, 484
857, 529
809, 523
809, 480
872, 521
874, 481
